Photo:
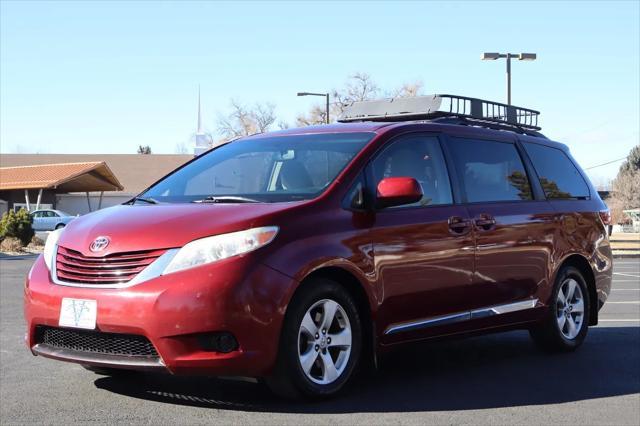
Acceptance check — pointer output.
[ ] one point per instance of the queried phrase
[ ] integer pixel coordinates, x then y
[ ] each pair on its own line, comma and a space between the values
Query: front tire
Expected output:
320, 344
567, 321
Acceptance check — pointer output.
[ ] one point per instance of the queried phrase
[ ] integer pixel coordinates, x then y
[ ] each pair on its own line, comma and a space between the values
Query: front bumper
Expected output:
98, 360
174, 312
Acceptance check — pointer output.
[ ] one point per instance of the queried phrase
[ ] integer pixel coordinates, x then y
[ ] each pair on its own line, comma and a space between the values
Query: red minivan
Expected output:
297, 256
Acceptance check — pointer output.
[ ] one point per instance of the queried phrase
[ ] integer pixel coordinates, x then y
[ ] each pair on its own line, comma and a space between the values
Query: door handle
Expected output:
485, 222
459, 225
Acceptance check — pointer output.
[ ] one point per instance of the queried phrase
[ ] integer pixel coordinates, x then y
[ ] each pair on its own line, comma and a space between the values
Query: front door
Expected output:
423, 252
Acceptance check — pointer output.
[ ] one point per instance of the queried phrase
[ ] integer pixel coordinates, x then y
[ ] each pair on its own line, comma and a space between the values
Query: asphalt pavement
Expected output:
496, 379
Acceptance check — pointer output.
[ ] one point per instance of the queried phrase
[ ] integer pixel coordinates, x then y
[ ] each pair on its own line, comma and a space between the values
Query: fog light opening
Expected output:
223, 342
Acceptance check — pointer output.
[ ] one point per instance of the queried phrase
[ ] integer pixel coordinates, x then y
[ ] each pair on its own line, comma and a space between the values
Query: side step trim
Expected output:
462, 316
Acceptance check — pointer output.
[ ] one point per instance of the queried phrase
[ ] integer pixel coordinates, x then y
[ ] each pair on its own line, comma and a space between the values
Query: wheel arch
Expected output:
357, 290
582, 264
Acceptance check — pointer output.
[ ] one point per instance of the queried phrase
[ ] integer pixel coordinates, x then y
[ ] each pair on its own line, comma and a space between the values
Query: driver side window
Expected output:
420, 157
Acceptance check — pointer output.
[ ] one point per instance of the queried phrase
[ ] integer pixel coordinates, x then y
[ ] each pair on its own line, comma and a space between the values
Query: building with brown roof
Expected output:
79, 183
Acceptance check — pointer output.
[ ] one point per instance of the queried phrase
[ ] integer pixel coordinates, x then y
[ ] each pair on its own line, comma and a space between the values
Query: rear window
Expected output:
490, 170
559, 177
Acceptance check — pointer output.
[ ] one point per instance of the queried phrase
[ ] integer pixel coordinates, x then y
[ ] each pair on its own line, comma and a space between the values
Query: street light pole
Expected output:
492, 56
327, 114
508, 78
326, 95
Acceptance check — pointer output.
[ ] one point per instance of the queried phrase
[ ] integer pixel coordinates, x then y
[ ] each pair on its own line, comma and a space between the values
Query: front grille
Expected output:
117, 268
96, 342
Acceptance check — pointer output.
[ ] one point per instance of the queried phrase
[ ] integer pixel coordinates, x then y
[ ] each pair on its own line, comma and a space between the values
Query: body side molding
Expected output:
462, 316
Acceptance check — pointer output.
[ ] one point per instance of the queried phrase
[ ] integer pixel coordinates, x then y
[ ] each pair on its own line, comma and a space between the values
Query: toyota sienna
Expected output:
297, 256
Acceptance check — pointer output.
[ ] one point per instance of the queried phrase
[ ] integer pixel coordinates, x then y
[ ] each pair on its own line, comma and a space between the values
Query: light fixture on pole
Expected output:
492, 56
326, 95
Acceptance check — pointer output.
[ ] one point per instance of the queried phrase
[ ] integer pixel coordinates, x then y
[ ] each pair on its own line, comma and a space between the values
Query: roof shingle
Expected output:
86, 176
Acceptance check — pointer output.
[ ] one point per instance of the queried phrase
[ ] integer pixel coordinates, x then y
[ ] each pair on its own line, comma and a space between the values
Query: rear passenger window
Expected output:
558, 175
490, 171
419, 157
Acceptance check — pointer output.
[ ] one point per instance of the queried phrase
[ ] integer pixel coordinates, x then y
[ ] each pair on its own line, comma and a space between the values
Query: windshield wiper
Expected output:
226, 199
144, 200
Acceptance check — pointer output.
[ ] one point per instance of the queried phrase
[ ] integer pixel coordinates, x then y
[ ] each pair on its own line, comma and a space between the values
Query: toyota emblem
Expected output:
99, 244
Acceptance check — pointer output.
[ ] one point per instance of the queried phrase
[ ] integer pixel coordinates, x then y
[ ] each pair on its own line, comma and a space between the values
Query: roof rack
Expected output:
430, 107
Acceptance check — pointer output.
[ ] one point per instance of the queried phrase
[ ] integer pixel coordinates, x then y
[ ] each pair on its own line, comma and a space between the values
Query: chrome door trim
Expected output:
462, 316
504, 309
430, 322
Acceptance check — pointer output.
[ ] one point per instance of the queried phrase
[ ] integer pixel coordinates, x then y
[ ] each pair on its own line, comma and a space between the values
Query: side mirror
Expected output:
397, 191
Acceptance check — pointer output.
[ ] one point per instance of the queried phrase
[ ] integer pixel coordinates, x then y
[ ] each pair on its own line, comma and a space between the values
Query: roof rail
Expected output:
435, 106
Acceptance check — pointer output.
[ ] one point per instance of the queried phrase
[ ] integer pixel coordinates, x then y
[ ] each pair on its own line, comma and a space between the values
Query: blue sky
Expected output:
106, 77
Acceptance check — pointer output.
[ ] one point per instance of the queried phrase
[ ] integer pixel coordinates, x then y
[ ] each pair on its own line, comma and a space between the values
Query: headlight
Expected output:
50, 247
218, 247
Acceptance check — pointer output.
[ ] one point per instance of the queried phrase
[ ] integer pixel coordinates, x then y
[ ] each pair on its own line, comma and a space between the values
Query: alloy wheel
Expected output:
570, 308
324, 342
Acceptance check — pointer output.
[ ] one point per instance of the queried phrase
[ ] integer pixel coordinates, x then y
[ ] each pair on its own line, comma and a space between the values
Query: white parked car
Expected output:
48, 220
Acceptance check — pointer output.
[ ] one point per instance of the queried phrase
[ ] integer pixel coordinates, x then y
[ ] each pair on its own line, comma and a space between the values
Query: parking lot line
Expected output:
626, 275
629, 302
625, 289
620, 320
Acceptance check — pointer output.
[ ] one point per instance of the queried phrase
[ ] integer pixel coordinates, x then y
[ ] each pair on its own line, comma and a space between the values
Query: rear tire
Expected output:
60, 226
566, 323
320, 343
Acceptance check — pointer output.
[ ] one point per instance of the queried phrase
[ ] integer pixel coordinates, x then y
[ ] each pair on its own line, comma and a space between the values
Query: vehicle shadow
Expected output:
503, 370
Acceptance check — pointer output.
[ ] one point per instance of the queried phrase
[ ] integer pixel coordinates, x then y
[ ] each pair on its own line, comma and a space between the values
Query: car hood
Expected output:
163, 226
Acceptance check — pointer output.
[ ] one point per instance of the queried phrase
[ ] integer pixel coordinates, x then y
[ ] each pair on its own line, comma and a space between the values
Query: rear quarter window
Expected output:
559, 177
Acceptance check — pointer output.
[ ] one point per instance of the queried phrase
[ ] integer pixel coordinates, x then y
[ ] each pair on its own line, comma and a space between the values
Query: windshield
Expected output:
271, 169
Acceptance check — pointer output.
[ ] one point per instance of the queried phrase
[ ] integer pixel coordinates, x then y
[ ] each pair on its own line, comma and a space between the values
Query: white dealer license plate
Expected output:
78, 313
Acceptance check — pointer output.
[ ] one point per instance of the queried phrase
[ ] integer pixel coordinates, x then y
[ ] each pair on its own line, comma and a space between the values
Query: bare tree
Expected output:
283, 125
626, 189
144, 149
358, 87
181, 148
243, 121
317, 115
616, 209
626, 186
408, 90
632, 162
